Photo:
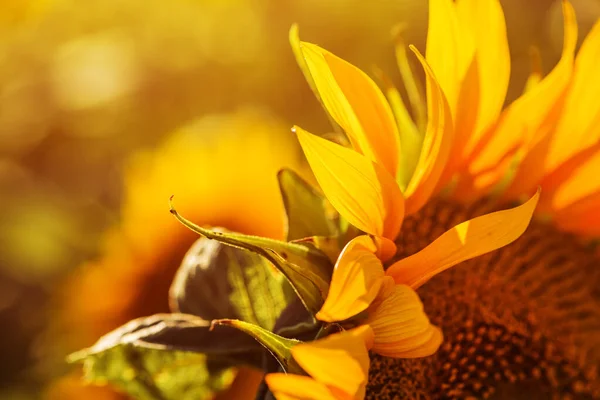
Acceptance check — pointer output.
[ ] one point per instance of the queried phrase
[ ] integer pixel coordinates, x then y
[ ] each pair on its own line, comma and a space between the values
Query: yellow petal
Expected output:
581, 217
402, 330
463, 242
531, 117
362, 191
485, 22
295, 43
575, 180
297, 387
340, 360
485, 80
356, 103
578, 127
436, 144
410, 136
355, 282
410, 81
386, 248
449, 52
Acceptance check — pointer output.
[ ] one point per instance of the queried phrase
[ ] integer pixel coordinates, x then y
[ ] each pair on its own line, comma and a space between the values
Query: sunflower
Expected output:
388, 316
143, 251
520, 321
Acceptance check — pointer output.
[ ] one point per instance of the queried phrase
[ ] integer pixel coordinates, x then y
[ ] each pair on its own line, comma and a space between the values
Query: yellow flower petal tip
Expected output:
463, 242
356, 103
356, 280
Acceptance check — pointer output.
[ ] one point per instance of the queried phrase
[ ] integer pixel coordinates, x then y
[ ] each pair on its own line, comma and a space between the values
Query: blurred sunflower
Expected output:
520, 322
224, 169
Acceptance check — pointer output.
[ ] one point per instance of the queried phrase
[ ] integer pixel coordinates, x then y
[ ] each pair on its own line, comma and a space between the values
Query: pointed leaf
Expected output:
463, 242
278, 346
182, 332
306, 209
362, 191
304, 267
167, 357
219, 281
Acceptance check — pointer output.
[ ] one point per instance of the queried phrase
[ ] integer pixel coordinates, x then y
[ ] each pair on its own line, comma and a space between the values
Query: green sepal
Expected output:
307, 269
308, 212
168, 356
279, 346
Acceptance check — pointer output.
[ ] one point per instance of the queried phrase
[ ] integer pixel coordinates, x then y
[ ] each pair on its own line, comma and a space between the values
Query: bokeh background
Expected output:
109, 106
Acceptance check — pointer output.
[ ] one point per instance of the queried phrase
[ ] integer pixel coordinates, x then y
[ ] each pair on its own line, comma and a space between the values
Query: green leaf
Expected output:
296, 322
307, 211
168, 356
278, 346
153, 374
218, 281
307, 269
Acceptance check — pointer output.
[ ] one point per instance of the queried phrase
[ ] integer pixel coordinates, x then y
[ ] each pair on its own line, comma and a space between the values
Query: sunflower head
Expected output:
347, 258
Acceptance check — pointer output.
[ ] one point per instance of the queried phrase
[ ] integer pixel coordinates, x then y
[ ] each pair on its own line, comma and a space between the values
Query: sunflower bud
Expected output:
217, 281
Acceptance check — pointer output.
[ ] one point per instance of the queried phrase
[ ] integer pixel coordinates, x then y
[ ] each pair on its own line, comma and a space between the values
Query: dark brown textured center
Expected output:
522, 322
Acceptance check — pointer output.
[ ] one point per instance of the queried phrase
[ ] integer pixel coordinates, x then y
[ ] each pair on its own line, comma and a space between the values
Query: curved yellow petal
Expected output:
361, 190
410, 81
401, 327
297, 387
410, 135
530, 118
356, 104
463, 242
294, 38
355, 282
579, 126
340, 360
436, 144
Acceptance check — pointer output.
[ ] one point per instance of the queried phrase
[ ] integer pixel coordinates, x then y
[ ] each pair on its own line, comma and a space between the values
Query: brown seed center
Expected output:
522, 322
